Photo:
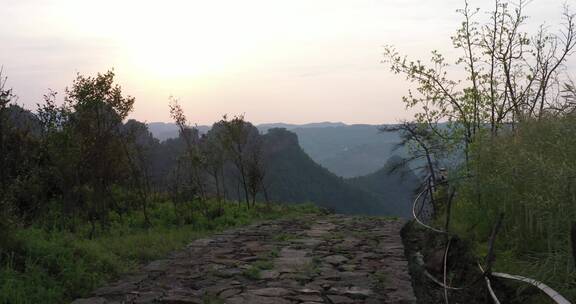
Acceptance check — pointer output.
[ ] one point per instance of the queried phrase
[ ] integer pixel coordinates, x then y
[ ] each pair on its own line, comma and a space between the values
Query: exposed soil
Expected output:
462, 271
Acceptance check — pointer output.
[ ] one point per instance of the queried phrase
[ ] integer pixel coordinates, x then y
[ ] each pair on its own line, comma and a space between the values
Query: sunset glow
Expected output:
266, 59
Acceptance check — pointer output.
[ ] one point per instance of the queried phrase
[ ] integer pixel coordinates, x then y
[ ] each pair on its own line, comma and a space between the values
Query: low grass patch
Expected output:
283, 237
56, 266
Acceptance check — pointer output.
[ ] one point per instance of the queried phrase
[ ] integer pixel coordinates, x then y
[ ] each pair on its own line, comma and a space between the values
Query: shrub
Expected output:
529, 175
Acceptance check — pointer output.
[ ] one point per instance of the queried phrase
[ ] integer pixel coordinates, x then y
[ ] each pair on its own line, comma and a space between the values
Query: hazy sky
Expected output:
292, 61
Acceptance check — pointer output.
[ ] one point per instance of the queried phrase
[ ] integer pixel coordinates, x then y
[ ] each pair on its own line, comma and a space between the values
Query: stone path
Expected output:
328, 259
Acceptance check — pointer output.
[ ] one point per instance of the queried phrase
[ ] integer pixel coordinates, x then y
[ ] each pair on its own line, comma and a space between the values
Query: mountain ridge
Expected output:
347, 150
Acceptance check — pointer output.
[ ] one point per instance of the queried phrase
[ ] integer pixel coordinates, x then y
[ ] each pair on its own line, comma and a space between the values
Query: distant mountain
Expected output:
359, 160
396, 189
292, 176
345, 150
166, 130
350, 150
265, 127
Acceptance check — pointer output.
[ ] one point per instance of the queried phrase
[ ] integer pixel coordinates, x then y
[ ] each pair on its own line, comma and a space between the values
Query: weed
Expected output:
252, 273
380, 279
283, 237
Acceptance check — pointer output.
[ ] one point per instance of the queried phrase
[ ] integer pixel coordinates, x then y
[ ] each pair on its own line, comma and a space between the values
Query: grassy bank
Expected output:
529, 175
56, 266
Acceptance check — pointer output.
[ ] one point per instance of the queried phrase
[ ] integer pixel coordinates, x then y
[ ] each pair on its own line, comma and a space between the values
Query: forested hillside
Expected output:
78, 180
393, 186
87, 195
349, 151
291, 176
294, 177
83, 159
345, 150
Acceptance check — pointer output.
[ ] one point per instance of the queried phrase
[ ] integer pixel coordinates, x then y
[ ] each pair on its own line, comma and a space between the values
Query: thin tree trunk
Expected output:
573, 239
224, 192
217, 181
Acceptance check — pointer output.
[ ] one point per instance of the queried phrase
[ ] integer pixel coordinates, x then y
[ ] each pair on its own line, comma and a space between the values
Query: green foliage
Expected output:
283, 237
505, 75
381, 278
252, 272
530, 176
55, 266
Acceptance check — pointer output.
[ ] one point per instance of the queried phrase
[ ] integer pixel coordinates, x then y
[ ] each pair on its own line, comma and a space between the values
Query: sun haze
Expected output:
291, 61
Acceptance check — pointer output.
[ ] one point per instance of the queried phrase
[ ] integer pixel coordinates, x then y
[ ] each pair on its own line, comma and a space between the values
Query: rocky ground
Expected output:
316, 259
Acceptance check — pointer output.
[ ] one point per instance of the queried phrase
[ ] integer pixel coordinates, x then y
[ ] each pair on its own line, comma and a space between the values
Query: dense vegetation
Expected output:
345, 150
506, 131
86, 194
528, 176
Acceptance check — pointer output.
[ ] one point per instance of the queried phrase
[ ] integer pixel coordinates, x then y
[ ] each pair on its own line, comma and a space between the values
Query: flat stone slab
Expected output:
314, 259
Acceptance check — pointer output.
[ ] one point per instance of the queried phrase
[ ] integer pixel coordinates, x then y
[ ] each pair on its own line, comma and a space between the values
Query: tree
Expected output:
255, 169
20, 181
6, 97
193, 159
422, 144
242, 145
569, 95
213, 149
5, 100
97, 109
511, 76
138, 144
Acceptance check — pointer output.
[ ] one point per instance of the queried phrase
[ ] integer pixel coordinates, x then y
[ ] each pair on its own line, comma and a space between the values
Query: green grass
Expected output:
274, 253
530, 176
56, 266
381, 279
252, 272
283, 237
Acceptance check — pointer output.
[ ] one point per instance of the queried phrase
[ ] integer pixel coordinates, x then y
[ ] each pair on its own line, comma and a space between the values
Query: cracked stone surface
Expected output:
316, 259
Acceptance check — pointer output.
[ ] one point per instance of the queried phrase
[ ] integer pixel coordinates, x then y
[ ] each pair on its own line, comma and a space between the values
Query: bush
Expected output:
530, 176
